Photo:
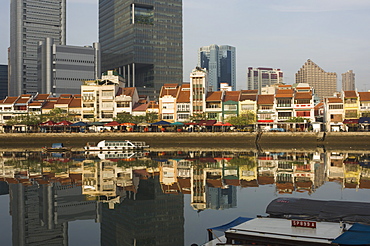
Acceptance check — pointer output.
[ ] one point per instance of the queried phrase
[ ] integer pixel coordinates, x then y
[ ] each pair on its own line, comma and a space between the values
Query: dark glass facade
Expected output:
142, 40
3, 81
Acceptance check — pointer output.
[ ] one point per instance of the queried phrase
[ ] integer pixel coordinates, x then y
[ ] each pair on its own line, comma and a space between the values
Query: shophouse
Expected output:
351, 105
214, 105
183, 103
230, 104
333, 114
167, 102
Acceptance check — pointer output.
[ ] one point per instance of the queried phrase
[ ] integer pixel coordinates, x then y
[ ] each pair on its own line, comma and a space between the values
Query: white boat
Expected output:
114, 145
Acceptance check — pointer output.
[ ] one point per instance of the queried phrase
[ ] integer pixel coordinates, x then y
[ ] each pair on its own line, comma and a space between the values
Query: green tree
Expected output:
58, 114
296, 119
124, 118
199, 116
245, 118
151, 117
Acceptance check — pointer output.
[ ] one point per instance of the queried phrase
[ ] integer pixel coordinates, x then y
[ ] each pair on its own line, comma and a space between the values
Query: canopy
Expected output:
48, 123
321, 210
358, 234
207, 122
364, 120
63, 123
218, 124
80, 123
143, 124
177, 124
128, 124
161, 123
233, 223
350, 121
113, 123
227, 124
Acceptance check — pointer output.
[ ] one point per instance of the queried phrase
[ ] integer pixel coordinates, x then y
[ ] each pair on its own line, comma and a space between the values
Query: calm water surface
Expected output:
163, 197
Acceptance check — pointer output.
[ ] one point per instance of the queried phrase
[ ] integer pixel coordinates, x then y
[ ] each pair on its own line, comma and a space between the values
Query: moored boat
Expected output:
113, 145
56, 147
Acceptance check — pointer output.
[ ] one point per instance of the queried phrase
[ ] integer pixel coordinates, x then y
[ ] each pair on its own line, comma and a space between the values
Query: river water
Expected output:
162, 197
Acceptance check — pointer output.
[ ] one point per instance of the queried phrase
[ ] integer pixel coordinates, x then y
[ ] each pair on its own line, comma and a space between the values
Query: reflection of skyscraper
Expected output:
4, 188
218, 198
143, 41
148, 218
31, 22
220, 62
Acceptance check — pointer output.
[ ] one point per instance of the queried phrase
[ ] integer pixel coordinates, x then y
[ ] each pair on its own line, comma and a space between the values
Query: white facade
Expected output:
198, 90
257, 78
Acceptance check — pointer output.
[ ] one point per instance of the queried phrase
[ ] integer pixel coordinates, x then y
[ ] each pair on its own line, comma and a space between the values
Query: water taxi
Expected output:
113, 145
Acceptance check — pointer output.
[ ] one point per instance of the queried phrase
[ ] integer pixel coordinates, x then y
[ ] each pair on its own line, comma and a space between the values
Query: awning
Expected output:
207, 122
80, 123
161, 123
358, 234
364, 120
113, 123
350, 121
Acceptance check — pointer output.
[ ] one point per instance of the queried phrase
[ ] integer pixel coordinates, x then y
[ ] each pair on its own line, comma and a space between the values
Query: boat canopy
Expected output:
358, 234
320, 210
57, 145
233, 223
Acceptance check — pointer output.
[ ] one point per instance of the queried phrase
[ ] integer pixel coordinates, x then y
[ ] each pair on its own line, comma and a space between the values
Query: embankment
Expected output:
203, 140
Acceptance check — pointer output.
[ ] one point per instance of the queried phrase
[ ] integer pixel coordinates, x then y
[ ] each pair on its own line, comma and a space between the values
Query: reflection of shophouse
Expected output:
198, 193
284, 178
267, 166
249, 173
352, 172
304, 174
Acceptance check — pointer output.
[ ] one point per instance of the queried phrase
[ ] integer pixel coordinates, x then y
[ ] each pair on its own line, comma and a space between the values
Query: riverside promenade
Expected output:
193, 140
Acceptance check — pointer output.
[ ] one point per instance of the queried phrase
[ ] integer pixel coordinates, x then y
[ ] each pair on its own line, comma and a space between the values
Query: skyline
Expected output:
277, 34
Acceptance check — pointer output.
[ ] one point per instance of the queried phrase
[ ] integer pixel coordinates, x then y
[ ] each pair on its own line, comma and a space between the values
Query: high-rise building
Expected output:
30, 22
62, 69
142, 40
3, 81
324, 83
348, 81
257, 78
220, 62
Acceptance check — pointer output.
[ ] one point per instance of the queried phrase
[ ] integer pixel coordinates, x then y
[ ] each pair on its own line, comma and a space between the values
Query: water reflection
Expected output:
138, 197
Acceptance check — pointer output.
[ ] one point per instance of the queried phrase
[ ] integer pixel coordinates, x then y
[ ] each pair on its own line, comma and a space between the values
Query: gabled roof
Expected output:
265, 99
348, 94
63, 100
75, 103
22, 100
284, 93
41, 97
319, 105
303, 95
129, 91
183, 96
364, 96
48, 105
169, 89
248, 95
231, 96
334, 100
214, 96
140, 107
10, 100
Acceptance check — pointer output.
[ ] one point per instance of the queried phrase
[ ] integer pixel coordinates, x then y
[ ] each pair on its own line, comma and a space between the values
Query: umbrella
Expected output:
143, 124
218, 124
113, 123
128, 124
161, 123
63, 123
48, 123
80, 123
177, 124
227, 124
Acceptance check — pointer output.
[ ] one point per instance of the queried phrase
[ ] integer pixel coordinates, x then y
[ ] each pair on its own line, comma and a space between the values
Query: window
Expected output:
284, 103
183, 107
143, 15
284, 115
351, 114
212, 115
336, 106
167, 116
123, 104
107, 93
245, 107
183, 116
230, 107
107, 105
303, 113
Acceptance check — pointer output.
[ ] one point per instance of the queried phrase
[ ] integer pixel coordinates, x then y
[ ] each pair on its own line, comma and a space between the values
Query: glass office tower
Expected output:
142, 40
30, 22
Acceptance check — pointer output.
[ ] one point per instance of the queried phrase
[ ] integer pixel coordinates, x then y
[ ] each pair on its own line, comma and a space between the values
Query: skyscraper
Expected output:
324, 83
30, 22
348, 81
142, 40
3, 81
261, 77
220, 63
62, 69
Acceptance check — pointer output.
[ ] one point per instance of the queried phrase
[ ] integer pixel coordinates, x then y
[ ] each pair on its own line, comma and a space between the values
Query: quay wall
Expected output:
186, 140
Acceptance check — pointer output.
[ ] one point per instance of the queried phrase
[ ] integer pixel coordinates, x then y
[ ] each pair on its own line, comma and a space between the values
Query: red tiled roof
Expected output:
231, 96
214, 96
248, 95
364, 96
265, 99
63, 100
140, 107
167, 90
48, 105
10, 100
335, 100
129, 91
284, 93
183, 96
350, 94
303, 95
75, 103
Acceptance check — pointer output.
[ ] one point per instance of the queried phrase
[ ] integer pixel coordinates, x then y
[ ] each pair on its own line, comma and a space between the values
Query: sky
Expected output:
335, 34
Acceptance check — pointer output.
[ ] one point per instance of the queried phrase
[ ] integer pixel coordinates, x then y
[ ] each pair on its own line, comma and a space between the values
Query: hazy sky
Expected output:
335, 34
